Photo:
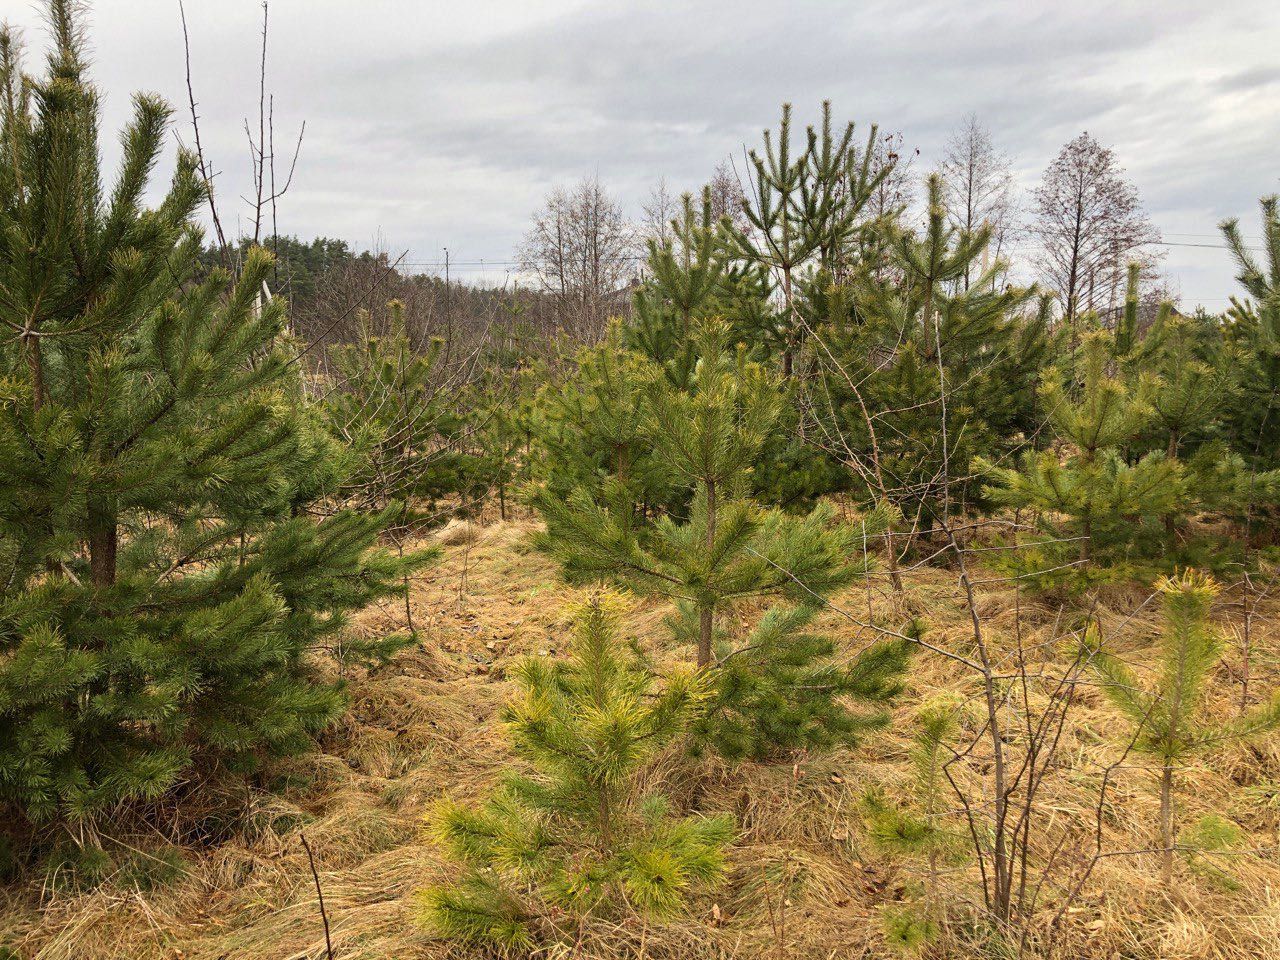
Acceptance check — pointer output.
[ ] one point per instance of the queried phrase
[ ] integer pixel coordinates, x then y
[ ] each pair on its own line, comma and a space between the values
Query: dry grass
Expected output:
802, 882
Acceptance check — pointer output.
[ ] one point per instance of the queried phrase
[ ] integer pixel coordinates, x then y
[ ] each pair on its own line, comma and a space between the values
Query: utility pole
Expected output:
448, 311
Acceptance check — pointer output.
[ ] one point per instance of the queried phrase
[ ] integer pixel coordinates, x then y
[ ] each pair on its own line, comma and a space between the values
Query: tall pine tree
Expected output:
921, 372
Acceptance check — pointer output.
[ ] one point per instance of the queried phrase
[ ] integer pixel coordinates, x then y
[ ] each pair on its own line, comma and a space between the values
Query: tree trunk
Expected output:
1166, 826
1169, 519
706, 624
788, 362
622, 462
895, 577
103, 542
35, 364
706, 612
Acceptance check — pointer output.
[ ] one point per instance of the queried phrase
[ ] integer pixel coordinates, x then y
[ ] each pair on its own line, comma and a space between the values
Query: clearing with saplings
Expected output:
866, 553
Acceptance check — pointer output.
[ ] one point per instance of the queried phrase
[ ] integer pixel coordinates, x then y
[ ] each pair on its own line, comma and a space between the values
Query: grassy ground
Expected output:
803, 882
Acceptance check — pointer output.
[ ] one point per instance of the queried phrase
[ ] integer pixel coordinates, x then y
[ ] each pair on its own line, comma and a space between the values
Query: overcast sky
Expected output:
434, 124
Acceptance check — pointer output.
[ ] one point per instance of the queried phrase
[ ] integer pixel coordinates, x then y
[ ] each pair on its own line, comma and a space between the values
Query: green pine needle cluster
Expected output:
578, 837
755, 712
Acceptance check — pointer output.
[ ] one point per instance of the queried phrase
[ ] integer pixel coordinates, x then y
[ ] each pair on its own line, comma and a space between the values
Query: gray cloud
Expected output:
436, 124
1250, 79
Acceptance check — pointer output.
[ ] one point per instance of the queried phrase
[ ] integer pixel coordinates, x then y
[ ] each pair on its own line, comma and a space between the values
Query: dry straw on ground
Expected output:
802, 882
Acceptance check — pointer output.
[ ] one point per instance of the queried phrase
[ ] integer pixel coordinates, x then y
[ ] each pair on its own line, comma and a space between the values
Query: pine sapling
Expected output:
1169, 716
917, 831
578, 837
727, 549
1088, 490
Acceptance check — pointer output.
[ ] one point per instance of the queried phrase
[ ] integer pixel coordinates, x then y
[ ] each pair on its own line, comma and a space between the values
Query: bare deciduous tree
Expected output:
580, 250
1090, 225
894, 190
657, 214
977, 184
727, 195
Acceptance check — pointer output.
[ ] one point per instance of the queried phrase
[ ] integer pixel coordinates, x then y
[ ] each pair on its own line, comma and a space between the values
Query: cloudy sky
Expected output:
434, 124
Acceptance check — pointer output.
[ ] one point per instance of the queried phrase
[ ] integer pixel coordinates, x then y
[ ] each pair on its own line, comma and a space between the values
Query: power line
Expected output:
500, 262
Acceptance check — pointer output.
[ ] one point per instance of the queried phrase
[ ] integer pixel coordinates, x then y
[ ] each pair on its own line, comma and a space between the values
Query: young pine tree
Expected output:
590, 436
164, 580
1254, 333
706, 438
1169, 718
923, 373
500, 441
578, 837
778, 239
1106, 502
686, 273
783, 689
728, 548
691, 280
1192, 394
917, 832
805, 216
392, 408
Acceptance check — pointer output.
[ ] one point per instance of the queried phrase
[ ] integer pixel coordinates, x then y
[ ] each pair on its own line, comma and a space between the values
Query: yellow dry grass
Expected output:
803, 883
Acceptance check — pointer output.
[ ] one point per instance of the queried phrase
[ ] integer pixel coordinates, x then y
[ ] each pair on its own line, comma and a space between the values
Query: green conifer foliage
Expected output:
729, 548
579, 837
755, 713
1168, 716
780, 241
921, 373
1192, 386
805, 215
1108, 502
686, 275
389, 406
591, 439
163, 578
503, 435
1185, 368
1139, 430
690, 280
917, 830
1127, 325
1193, 392
1254, 332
